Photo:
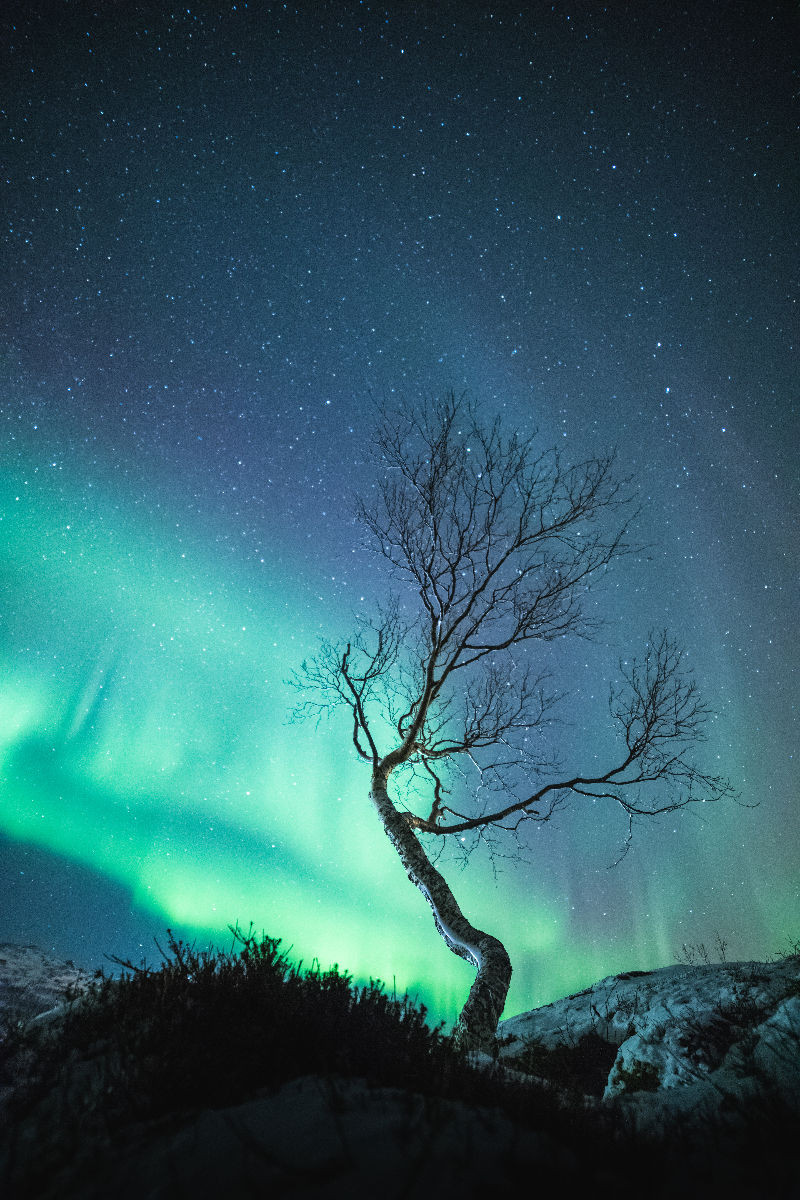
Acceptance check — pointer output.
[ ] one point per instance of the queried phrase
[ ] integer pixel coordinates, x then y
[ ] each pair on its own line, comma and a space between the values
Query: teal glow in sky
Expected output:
228, 229
146, 737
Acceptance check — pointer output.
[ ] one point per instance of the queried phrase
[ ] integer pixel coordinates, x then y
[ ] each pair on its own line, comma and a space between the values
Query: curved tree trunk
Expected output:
476, 1027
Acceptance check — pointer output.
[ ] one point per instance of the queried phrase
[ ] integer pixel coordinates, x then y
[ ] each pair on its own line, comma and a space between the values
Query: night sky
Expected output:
231, 227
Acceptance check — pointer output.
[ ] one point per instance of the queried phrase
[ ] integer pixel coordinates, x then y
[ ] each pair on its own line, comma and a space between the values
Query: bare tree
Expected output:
497, 544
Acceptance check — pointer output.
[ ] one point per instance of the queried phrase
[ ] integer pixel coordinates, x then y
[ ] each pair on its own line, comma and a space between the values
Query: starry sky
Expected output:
230, 228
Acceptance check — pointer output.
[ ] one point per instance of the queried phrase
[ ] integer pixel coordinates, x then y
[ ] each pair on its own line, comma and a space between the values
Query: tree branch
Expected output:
498, 545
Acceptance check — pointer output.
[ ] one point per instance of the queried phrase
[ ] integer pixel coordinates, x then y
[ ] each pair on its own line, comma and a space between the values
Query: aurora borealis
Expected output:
229, 226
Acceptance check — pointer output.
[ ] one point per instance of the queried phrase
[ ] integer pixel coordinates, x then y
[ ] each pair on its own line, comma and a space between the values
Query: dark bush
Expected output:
209, 1027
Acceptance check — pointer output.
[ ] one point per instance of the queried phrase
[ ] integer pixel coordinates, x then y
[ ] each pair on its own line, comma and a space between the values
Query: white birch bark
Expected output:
476, 1027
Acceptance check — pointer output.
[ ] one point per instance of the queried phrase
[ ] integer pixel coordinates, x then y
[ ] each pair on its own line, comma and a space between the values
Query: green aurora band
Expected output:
144, 734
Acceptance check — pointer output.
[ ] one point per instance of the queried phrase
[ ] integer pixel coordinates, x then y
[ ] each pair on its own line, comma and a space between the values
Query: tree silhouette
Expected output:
493, 544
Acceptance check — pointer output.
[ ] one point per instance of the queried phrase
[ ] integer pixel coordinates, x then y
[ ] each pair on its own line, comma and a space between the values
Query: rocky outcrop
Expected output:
682, 1037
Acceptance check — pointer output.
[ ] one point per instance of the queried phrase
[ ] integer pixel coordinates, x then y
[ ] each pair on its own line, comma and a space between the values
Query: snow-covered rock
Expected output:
32, 982
686, 1036
777, 1051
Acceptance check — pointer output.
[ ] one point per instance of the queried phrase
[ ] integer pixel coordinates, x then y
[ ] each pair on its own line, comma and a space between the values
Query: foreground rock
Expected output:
682, 1078
700, 1039
324, 1138
32, 982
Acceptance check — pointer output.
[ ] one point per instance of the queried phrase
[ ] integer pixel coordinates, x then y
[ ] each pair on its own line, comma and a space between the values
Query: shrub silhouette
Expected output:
209, 1027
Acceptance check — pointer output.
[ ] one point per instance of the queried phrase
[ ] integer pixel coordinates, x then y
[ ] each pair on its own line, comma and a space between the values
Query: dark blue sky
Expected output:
230, 225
